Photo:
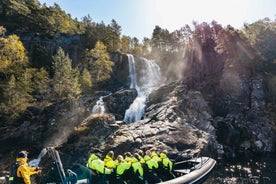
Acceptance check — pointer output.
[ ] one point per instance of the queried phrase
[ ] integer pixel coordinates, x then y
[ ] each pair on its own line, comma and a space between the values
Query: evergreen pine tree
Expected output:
65, 81
16, 100
42, 84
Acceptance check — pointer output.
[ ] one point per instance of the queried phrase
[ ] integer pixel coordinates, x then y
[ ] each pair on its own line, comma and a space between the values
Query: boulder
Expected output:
118, 102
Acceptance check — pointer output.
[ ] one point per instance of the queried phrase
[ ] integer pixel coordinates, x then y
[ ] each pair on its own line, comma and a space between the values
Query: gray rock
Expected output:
119, 102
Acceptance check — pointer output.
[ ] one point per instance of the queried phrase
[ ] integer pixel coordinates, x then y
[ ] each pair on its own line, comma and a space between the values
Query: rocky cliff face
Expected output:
70, 44
176, 118
245, 128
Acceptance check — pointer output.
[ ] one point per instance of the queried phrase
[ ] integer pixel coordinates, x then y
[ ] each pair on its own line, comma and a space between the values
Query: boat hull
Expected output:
199, 173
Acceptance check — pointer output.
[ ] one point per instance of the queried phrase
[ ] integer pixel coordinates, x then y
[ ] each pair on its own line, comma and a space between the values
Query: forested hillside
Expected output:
47, 56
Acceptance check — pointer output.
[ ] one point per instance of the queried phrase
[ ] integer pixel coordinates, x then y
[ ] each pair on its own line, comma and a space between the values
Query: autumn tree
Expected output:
126, 41
98, 62
2, 31
13, 55
85, 81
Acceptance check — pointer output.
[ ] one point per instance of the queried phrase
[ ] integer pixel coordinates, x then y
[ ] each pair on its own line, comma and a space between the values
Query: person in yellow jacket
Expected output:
151, 168
151, 163
166, 166
121, 170
166, 162
141, 157
21, 172
97, 165
137, 169
155, 157
128, 157
108, 160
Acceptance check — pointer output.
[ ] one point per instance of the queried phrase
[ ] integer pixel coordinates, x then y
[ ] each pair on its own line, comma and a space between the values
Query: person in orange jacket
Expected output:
21, 172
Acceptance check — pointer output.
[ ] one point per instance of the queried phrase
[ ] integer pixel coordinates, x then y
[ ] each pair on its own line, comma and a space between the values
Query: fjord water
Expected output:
255, 170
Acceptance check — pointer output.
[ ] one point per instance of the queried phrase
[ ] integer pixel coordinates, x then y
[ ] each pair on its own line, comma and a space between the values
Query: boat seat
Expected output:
185, 171
82, 181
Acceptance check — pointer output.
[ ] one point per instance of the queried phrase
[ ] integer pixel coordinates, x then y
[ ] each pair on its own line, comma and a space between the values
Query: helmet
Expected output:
140, 152
136, 155
111, 154
22, 154
127, 154
120, 158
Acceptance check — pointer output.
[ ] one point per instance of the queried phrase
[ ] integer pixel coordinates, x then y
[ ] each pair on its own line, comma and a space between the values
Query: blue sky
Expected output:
139, 17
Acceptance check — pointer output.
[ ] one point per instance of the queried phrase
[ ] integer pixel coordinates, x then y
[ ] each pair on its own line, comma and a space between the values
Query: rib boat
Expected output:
189, 171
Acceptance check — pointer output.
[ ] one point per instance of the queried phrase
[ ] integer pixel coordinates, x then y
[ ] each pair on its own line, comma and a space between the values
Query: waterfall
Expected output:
132, 71
149, 78
151, 75
99, 108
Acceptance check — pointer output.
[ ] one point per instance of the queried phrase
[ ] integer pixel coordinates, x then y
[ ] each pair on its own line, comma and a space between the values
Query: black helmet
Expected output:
22, 154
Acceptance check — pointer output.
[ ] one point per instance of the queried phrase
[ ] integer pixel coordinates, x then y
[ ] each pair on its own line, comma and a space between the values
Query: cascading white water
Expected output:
99, 108
150, 77
132, 71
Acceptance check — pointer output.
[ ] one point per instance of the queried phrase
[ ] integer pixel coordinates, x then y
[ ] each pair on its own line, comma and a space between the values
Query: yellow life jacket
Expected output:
109, 162
122, 167
166, 162
137, 167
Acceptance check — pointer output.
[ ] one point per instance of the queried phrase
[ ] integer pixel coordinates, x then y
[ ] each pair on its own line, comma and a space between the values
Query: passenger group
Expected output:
153, 167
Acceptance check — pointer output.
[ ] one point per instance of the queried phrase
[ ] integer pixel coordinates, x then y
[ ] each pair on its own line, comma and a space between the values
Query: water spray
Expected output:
35, 162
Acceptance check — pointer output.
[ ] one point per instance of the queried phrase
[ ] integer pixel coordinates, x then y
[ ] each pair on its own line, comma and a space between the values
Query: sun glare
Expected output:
171, 14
